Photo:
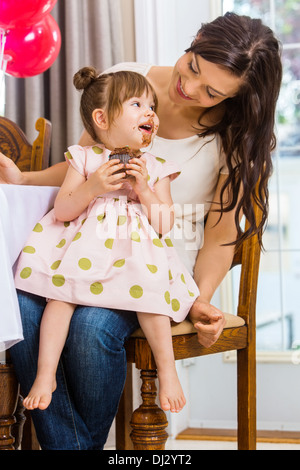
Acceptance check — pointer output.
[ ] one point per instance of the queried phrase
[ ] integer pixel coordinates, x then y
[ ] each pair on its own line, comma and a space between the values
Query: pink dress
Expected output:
110, 256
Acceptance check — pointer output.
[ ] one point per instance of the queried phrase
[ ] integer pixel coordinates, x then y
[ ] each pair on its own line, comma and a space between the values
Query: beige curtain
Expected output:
91, 35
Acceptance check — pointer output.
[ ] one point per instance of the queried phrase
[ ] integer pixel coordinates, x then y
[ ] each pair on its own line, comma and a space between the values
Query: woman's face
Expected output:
197, 82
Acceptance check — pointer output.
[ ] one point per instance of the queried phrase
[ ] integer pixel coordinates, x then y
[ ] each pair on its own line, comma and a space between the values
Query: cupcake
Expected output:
124, 154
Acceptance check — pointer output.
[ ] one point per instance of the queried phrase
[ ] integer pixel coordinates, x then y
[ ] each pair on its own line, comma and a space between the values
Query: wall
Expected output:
165, 28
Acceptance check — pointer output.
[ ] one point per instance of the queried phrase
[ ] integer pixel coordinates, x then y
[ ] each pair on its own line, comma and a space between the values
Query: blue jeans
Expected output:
90, 376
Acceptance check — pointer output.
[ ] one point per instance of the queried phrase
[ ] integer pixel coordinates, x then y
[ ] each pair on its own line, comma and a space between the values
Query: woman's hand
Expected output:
208, 320
9, 172
137, 168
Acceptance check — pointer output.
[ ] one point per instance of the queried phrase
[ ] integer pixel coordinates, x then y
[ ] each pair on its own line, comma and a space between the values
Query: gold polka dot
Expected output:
56, 264
100, 218
161, 160
29, 249
157, 242
68, 155
135, 237
77, 236
167, 297
182, 278
109, 243
119, 263
170, 275
58, 280
121, 219
25, 273
168, 242
96, 288
152, 268
38, 228
85, 264
175, 305
136, 292
66, 224
191, 294
97, 150
61, 243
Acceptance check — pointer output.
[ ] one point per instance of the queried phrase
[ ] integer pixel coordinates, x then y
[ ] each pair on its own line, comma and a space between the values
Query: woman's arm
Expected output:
212, 264
10, 174
52, 176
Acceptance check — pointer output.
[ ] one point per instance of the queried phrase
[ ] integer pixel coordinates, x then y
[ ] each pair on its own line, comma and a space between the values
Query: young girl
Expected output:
105, 241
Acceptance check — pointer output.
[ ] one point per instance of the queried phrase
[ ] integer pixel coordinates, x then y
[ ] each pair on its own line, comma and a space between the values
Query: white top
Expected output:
193, 190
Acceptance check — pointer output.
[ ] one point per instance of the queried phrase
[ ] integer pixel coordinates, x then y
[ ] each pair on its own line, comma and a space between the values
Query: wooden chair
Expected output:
148, 422
14, 144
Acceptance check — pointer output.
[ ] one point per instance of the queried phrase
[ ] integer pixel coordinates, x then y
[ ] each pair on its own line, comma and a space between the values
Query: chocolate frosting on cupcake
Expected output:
124, 154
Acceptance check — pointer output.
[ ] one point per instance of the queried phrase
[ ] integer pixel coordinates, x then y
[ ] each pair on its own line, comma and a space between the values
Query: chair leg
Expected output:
18, 427
29, 438
246, 365
123, 441
9, 392
149, 421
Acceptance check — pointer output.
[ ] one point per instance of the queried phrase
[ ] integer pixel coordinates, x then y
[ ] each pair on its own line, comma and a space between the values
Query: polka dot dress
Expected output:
110, 256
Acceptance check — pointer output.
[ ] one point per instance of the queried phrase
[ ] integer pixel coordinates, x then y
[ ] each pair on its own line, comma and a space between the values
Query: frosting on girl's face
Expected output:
136, 125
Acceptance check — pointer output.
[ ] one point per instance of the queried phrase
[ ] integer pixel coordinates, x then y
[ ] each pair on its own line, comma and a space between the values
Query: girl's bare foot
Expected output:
40, 395
171, 395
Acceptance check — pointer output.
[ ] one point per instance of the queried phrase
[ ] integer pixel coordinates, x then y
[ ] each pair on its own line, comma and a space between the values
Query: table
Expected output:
21, 207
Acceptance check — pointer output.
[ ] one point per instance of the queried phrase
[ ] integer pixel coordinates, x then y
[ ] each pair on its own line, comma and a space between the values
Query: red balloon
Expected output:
23, 12
32, 50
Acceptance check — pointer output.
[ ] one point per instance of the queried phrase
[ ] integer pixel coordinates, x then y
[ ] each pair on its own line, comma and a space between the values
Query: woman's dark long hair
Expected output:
249, 50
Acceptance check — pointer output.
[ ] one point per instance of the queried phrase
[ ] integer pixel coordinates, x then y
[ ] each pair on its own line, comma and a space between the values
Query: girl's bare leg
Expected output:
53, 333
157, 329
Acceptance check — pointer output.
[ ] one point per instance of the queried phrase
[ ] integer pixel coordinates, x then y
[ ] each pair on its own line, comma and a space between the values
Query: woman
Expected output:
216, 111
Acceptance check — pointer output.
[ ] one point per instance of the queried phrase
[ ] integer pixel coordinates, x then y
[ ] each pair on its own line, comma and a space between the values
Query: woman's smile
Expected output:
181, 91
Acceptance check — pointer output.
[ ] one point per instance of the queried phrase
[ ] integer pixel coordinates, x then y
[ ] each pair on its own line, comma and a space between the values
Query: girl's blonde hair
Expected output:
109, 92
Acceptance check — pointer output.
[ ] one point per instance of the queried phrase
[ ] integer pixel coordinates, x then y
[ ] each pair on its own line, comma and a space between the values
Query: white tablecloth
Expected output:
21, 207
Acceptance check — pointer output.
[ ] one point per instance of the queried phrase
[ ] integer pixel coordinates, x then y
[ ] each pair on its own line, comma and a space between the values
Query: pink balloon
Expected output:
23, 12
32, 50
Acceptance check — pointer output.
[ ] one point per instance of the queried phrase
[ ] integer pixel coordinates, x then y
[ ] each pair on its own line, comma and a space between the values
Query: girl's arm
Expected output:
212, 264
77, 192
157, 204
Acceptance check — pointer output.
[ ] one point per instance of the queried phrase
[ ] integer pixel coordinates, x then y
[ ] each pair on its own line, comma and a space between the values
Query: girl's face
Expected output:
197, 82
136, 125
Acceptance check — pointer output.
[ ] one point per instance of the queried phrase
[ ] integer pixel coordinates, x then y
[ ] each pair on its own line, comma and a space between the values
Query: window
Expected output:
278, 305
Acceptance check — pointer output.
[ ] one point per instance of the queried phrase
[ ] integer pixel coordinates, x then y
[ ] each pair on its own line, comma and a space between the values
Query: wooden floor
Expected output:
203, 434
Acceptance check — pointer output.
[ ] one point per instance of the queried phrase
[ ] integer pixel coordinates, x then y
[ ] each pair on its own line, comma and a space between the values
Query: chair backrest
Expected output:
14, 144
248, 256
